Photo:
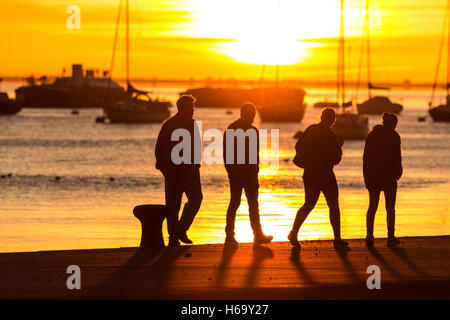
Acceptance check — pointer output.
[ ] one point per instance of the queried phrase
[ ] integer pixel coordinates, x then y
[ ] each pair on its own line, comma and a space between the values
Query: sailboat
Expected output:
376, 104
137, 107
348, 124
441, 113
280, 104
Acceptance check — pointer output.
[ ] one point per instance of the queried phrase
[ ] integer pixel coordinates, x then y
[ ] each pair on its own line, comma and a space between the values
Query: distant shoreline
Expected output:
231, 82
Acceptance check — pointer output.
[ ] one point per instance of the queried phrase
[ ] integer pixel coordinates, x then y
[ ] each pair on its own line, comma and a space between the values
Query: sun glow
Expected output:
266, 31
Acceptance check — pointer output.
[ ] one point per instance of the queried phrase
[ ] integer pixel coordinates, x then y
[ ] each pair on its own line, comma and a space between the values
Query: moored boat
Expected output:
348, 125
379, 105
326, 104
441, 113
136, 106
138, 109
351, 126
374, 104
8, 106
80, 90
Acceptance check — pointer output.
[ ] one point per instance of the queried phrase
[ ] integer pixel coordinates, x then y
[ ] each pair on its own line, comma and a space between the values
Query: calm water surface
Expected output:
87, 209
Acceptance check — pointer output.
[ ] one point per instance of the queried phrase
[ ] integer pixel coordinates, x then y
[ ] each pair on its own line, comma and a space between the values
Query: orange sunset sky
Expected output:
232, 38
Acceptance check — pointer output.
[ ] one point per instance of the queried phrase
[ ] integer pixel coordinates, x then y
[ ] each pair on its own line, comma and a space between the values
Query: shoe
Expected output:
231, 241
173, 242
293, 240
393, 242
262, 239
184, 238
339, 243
369, 242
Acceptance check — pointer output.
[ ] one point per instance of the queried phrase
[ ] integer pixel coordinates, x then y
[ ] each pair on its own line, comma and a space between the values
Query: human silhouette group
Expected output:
318, 150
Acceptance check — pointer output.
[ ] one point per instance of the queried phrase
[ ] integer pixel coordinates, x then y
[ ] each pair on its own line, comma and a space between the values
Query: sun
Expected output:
265, 31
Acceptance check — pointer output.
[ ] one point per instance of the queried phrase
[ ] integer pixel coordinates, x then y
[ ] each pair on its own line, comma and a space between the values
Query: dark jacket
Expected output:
321, 148
164, 145
247, 166
382, 160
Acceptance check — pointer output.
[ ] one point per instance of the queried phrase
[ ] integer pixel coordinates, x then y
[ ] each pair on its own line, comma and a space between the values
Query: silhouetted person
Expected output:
242, 164
180, 178
382, 168
321, 151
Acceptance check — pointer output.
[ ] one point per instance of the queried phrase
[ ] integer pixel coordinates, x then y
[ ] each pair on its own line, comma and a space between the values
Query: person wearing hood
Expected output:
382, 168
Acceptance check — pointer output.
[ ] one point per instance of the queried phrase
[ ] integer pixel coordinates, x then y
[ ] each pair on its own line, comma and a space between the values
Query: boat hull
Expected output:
234, 97
440, 113
49, 96
123, 112
351, 126
326, 104
9, 107
275, 113
379, 105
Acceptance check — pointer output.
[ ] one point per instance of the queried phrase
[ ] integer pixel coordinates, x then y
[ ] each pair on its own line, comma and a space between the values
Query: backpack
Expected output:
299, 159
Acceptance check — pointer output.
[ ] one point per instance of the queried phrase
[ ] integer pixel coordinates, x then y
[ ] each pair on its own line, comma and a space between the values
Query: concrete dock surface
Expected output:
418, 269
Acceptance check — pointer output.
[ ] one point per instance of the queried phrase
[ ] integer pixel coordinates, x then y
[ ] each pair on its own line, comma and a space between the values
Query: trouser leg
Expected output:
390, 195
251, 187
174, 194
331, 193
235, 201
193, 190
374, 198
312, 192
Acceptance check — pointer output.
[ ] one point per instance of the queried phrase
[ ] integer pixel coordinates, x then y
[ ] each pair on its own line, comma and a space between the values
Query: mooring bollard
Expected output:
151, 217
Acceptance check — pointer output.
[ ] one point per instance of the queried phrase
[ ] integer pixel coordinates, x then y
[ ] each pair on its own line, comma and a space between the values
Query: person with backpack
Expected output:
318, 150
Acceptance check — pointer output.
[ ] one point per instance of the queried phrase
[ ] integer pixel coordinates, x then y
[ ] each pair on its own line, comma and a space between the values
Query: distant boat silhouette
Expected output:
8, 106
136, 106
326, 104
441, 113
377, 104
280, 104
81, 90
348, 124
287, 103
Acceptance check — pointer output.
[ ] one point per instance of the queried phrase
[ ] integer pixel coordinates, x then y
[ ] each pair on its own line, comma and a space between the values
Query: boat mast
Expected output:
448, 54
341, 60
441, 47
367, 23
116, 35
127, 44
277, 70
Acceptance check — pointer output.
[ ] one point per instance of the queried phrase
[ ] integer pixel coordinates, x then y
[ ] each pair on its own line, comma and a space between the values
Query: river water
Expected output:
105, 170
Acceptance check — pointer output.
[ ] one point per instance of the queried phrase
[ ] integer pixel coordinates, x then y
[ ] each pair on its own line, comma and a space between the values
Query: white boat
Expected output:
348, 124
